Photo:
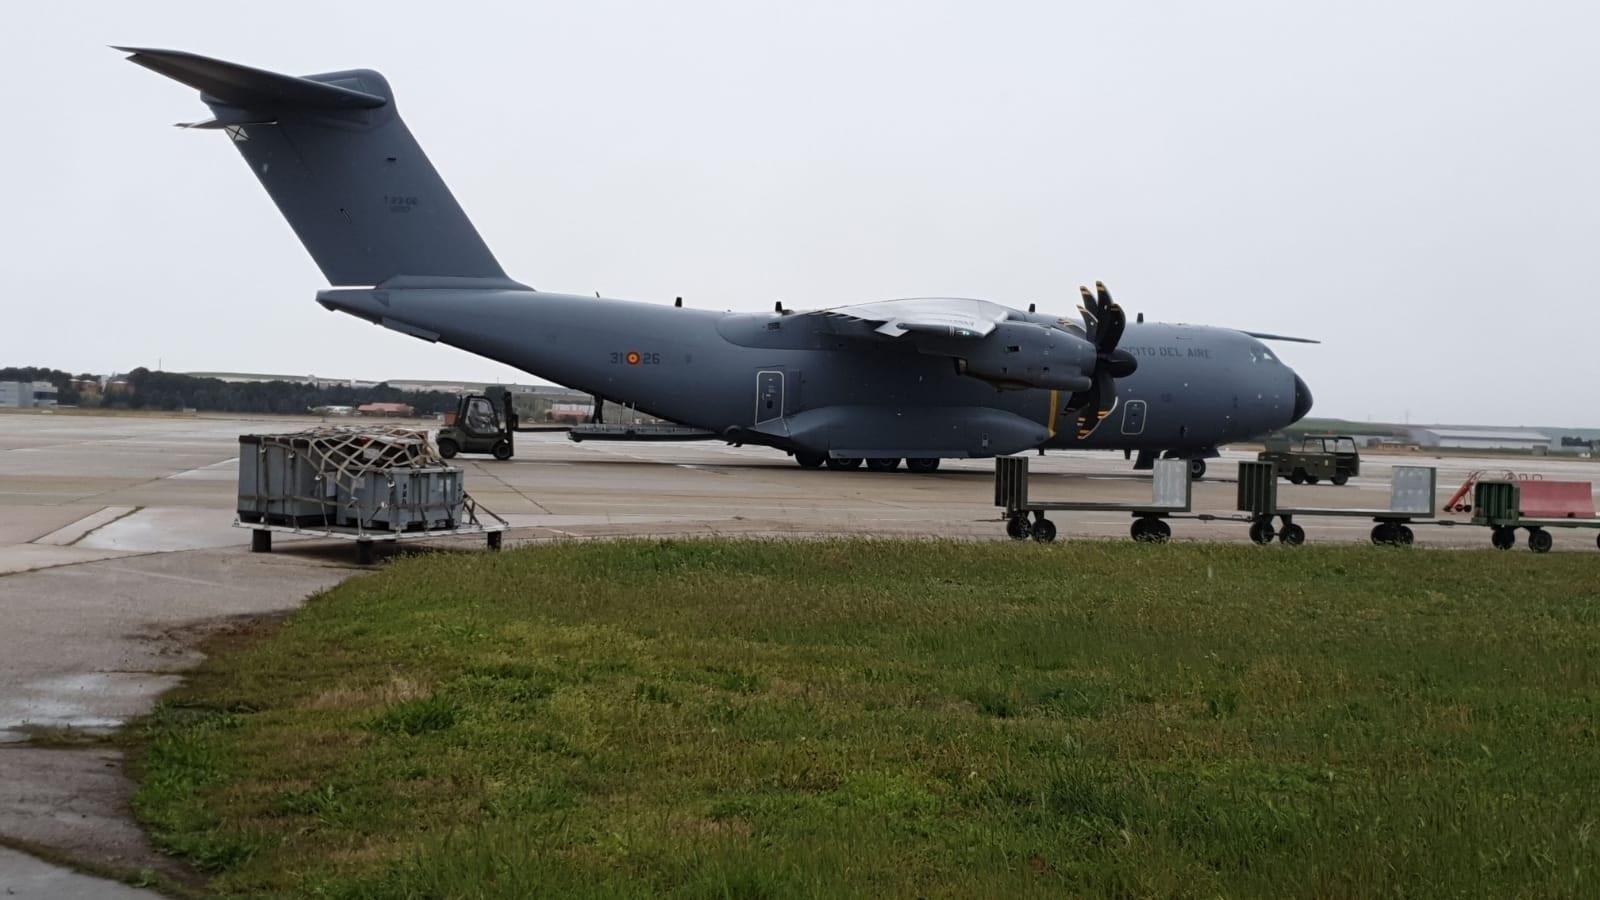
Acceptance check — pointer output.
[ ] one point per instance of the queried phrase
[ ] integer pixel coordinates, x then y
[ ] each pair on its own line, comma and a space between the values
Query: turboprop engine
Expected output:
1019, 355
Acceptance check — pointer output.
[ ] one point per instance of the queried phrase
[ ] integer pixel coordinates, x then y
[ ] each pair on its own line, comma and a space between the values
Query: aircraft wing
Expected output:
944, 316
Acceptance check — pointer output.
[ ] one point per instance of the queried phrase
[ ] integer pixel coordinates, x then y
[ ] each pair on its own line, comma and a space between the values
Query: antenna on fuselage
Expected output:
1139, 318
677, 303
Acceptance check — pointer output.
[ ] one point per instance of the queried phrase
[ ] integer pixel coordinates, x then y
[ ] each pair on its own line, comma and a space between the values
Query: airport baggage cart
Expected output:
1411, 500
1499, 505
1170, 490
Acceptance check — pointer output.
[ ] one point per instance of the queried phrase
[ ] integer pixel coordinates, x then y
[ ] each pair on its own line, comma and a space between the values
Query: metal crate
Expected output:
403, 499
281, 483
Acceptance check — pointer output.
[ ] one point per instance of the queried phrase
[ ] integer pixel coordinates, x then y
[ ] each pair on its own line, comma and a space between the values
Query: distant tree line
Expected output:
171, 391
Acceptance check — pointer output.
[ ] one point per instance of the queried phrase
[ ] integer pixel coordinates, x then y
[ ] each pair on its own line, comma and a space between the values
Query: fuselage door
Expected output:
769, 396
1133, 417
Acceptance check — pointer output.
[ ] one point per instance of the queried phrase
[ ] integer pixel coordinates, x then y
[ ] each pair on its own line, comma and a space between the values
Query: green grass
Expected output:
869, 718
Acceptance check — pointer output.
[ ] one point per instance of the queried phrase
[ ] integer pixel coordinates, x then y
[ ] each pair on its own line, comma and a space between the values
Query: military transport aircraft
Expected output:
915, 379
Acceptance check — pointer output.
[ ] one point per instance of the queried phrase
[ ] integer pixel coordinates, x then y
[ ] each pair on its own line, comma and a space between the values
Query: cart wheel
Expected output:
1406, 535
1340, 480
1044, 531
1298, 476
494, 540
1292, 534
1137, 530
1261, 532
1539, 540
1380, 534
502, 450
448, 448
1017, 528
1161, 530
260, 541
363, 553
1503, 538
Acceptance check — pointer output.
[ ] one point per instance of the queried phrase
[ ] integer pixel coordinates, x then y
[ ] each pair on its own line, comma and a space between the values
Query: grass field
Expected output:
869, 718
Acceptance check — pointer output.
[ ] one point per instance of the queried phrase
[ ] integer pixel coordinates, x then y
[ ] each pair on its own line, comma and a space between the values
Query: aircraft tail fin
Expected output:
339, 162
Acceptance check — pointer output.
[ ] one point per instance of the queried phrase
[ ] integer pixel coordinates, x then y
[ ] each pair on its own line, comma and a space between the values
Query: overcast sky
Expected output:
1414, 183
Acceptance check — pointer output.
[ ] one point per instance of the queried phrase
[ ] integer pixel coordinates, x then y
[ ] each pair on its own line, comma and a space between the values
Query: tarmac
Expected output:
117, 550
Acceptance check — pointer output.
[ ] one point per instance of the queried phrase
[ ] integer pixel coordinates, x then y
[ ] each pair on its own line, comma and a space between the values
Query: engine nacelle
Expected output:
1019, 355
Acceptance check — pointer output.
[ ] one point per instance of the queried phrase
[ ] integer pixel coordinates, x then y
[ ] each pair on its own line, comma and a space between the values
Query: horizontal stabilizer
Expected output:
236, 85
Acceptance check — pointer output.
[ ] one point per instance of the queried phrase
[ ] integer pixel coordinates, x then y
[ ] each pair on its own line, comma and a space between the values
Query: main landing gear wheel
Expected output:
844, 462
1017, 528
448, 448
810, 460
1261, 532
1197, 469
1504, 538
1150, 530
502, 450
923, 466
883, 465
1292, 534
1044, 531
1540, 541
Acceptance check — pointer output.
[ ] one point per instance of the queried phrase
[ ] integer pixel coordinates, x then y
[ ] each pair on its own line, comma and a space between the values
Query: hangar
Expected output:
1482, 438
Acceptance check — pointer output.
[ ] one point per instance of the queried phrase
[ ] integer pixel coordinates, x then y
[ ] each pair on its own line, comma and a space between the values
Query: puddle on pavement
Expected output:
93, 703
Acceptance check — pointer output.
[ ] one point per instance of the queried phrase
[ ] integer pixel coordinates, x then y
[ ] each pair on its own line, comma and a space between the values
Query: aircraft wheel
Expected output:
1017, 528
923, 466
883, 465
1261, 532
448, 448
844, 462
502, 450
1292, 534
1340, 480
1197, 469
1540, 541
1044, 531
1503, 538
810, 460
1298, 476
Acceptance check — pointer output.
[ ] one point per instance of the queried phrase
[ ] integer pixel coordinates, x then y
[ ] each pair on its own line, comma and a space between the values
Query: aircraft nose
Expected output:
1302, 400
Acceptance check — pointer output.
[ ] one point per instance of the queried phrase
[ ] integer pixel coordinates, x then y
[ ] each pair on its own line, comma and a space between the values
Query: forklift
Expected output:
477, 427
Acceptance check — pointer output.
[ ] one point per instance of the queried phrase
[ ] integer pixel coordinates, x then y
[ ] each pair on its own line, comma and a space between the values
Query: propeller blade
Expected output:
1090, 319
1112, 318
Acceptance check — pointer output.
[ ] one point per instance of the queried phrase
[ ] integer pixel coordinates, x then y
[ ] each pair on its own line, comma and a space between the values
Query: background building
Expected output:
1482, 439
27, 394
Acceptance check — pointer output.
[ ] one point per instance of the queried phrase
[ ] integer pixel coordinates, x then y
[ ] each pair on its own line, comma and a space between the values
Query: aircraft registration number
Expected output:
634, 358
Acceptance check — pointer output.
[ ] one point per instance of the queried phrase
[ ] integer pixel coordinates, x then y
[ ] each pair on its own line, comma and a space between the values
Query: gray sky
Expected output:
1414, 183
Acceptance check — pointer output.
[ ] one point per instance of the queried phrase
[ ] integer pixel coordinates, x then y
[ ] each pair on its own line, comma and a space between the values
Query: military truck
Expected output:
1313, 458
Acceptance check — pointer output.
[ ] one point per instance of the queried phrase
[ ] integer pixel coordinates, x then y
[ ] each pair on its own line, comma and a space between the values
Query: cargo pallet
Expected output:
261, 530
